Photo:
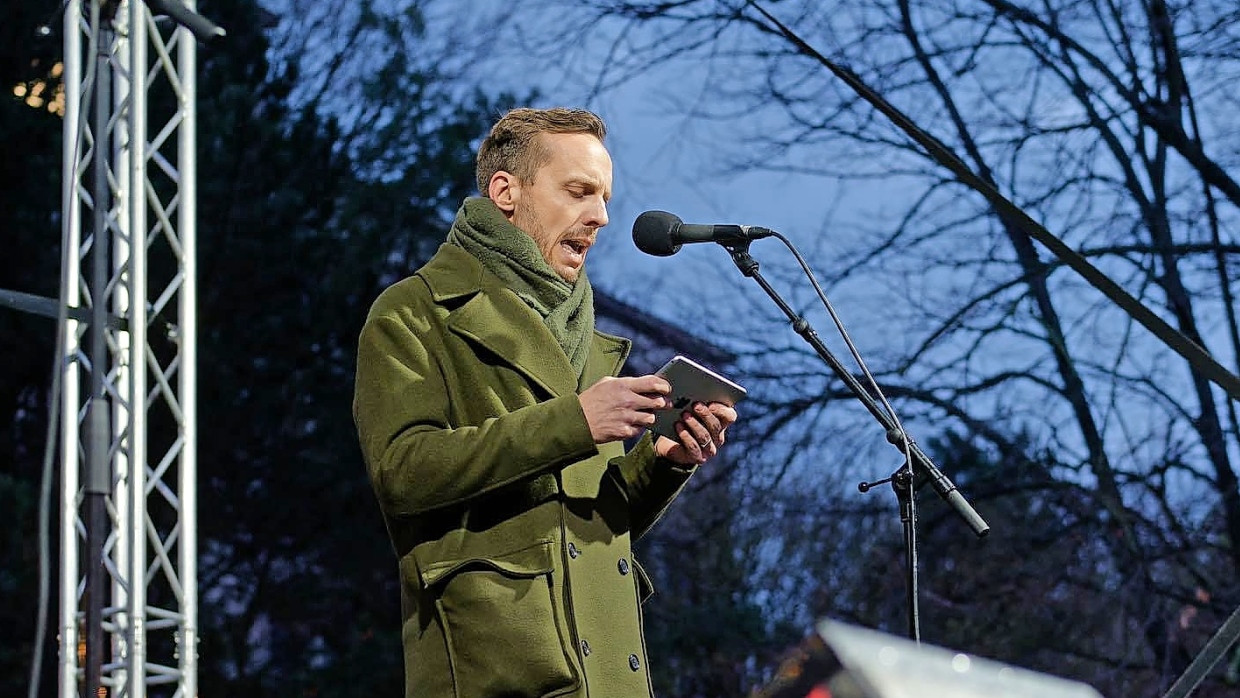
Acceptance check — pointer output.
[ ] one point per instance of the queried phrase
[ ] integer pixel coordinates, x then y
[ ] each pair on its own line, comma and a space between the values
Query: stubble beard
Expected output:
547, 242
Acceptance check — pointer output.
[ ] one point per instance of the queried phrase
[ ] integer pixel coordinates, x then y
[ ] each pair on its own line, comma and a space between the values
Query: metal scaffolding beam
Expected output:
128, 538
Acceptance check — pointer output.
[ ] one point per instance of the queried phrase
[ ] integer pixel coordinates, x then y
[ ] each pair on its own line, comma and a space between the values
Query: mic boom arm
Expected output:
920, 463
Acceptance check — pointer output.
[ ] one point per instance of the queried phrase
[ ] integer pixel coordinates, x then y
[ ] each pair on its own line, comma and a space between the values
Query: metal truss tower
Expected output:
128, 576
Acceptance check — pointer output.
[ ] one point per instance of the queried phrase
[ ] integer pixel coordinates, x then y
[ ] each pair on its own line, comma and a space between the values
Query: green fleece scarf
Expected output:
511, 254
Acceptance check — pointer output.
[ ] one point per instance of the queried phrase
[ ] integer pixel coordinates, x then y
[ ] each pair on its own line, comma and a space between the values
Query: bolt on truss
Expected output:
128, 538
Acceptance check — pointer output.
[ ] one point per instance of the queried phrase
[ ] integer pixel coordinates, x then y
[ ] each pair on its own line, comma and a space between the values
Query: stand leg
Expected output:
902, 483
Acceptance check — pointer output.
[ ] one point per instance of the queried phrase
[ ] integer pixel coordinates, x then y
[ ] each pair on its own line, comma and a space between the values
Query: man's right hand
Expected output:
620, 408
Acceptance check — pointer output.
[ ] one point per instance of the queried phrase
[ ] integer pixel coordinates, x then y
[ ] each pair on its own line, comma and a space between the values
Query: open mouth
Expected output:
576, 249
577, 246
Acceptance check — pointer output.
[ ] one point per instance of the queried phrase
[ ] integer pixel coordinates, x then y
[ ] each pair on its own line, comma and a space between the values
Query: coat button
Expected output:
573, 552
585, 648
623, 566
634, 662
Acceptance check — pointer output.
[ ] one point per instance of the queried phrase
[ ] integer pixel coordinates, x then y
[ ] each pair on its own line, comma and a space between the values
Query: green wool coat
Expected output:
512, 528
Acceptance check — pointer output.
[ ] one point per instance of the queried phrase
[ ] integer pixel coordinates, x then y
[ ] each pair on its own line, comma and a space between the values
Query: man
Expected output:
492, 426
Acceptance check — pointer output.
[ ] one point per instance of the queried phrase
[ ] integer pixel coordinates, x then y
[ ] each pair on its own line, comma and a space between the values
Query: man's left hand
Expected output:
700, 430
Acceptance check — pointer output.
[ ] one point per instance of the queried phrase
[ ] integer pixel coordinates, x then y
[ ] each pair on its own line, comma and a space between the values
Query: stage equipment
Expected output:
846, 661
128, 539
661, 234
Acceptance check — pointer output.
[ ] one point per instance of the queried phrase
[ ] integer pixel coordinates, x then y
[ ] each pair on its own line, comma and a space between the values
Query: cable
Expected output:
852, 349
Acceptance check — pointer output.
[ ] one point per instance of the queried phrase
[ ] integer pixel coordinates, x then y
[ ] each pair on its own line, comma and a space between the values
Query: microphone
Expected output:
661, 233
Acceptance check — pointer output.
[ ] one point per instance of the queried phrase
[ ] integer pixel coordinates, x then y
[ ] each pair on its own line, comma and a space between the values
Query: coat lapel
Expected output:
497, 319
502, 323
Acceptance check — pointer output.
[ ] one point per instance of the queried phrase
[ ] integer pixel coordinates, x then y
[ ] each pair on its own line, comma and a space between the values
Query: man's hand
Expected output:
701, 432
620, 408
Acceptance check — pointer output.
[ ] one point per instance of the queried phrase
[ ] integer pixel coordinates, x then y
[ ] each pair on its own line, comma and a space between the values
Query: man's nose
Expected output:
597, 215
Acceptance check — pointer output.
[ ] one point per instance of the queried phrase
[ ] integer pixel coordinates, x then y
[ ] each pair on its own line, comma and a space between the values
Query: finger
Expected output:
642, 418
649, 384
690, 441
653, 402
725, 414
713, 426
701, 433
708, 419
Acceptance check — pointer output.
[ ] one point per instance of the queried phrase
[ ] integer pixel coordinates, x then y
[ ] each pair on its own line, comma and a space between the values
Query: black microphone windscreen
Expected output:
652, 233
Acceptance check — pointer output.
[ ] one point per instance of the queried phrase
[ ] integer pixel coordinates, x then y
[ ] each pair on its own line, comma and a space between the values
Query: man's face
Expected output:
565, 204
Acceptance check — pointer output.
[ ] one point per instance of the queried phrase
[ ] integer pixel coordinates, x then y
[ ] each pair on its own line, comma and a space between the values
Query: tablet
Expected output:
692, 382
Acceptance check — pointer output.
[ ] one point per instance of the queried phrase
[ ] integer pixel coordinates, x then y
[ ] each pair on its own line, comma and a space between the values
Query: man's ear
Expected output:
505, 191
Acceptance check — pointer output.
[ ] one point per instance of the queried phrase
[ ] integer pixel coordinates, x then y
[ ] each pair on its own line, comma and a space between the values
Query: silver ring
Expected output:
704, 444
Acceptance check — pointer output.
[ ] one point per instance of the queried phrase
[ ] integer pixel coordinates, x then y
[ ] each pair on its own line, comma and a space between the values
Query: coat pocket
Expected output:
502, 622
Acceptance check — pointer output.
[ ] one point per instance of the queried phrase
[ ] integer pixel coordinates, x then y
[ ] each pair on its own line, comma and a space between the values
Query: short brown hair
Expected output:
512, 145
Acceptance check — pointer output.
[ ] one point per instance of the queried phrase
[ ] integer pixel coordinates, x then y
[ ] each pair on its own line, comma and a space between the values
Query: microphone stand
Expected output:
917, 468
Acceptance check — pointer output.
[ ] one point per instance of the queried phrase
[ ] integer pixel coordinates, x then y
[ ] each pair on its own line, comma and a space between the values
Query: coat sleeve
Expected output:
650, 482
416, 460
